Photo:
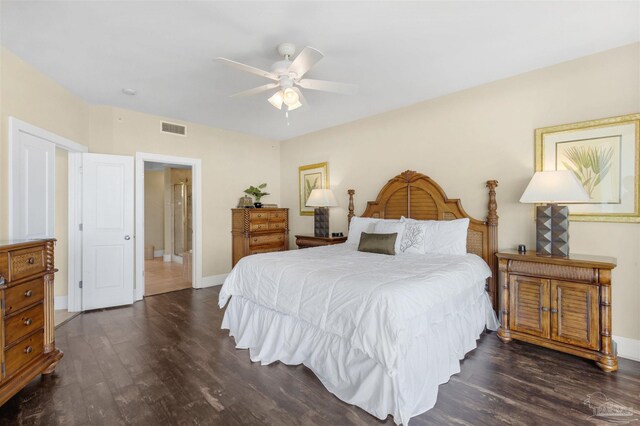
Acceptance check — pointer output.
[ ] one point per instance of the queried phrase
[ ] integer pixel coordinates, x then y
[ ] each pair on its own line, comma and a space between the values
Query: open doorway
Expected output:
168, 223
168, 227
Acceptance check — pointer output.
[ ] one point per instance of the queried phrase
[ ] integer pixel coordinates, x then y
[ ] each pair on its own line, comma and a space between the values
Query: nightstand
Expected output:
306, 241
561, 303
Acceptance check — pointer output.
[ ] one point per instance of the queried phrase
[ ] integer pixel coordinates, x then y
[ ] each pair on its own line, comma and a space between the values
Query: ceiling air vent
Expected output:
173, 128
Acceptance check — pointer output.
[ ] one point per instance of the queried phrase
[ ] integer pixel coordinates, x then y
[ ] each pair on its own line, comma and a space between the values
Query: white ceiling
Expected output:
399, 53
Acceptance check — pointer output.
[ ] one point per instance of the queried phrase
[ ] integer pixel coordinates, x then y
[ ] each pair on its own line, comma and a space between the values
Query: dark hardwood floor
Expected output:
166, 361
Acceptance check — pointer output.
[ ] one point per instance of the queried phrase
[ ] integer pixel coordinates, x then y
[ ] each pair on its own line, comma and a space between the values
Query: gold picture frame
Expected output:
605, 157
312, 176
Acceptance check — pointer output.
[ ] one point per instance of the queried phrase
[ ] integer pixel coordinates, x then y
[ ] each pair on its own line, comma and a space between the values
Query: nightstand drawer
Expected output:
259, 240
26, 262
24, 352
24, 323
23, 295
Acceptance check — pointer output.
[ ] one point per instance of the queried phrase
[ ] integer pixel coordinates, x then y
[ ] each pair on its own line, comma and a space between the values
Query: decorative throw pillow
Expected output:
391, 227
378, 243
413, 238
359, 225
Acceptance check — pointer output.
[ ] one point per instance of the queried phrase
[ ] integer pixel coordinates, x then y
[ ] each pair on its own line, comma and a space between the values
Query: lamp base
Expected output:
552, 230
321, 222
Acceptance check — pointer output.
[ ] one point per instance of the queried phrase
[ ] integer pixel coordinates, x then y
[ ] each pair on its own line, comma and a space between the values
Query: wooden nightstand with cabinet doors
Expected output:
561, 303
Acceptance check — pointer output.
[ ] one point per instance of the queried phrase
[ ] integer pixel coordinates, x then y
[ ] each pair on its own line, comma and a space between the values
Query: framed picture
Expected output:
313, 176
604, 155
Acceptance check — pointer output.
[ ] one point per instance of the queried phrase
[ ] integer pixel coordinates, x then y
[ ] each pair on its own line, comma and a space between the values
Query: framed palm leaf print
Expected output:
312, 176
604, 155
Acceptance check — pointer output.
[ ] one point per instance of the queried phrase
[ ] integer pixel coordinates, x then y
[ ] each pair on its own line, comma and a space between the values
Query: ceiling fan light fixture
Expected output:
277, 99
291, 97
294, 106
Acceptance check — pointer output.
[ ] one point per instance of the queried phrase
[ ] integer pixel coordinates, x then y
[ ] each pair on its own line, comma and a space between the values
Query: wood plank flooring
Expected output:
165, 361
163, 277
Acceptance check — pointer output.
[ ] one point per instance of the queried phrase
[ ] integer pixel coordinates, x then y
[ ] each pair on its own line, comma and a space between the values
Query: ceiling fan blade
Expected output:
255, 90
305, 60
248, 68
328, 86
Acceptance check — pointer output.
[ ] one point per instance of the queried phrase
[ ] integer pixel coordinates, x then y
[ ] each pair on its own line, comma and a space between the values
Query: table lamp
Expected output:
321, 199
552, 220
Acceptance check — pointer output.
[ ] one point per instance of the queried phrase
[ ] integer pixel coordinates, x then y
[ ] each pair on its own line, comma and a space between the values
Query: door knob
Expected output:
126, 237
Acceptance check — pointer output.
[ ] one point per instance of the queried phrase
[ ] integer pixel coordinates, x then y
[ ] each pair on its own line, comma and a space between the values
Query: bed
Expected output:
380, 332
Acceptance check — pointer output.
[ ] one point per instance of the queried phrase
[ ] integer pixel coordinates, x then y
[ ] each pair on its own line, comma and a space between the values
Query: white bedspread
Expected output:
377, 303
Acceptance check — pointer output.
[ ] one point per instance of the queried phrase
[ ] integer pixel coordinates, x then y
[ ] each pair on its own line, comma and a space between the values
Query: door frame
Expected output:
74, 218
196, 176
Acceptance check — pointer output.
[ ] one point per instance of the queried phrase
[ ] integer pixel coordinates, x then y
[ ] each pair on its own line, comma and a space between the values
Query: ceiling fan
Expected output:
287, 76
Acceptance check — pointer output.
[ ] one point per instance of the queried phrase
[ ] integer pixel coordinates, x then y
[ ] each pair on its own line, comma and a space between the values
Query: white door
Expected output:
107, 231
32, 187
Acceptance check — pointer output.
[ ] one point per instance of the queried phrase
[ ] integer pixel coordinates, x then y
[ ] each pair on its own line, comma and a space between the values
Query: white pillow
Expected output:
391, 227
449, 237
359, 225
443, 236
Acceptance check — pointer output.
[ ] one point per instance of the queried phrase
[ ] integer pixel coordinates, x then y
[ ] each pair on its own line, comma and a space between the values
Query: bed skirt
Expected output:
428, 360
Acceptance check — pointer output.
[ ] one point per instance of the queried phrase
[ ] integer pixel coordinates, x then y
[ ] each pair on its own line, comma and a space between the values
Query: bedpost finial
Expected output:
351, 214
492, 216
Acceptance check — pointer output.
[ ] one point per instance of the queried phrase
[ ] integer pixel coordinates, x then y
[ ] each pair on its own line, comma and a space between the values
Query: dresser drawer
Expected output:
258, 226
22, 324
273, 239
23, 295
26, 262
277, 215
276, 225
268, 249
258, 215
24, 352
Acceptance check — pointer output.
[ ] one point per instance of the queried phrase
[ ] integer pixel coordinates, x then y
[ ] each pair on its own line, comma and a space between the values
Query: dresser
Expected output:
27, 329
561, 303
306, 241
256, 231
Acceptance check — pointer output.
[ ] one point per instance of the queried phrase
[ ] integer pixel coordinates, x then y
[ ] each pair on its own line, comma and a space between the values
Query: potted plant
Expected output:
257, 193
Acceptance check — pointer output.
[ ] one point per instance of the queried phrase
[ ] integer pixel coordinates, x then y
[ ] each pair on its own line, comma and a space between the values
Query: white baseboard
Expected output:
213, 280
176, 259
158, 253
166, 257
60, 303
628, 348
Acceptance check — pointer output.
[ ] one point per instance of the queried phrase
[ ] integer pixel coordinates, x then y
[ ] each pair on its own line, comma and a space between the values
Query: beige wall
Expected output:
30, 96
463, 139
154, 209
230, 161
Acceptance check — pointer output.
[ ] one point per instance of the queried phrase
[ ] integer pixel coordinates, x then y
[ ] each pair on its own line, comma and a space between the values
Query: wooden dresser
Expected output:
258, 231
27, 329
562, 303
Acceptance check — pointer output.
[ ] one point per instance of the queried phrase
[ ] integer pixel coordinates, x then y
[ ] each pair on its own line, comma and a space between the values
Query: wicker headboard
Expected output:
417, 196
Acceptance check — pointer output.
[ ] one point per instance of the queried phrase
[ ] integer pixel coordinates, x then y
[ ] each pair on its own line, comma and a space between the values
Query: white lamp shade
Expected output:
560, 186
321, 198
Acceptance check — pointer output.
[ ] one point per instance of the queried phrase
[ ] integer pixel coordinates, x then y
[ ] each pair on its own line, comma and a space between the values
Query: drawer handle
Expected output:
554, 311
28, 350
28, 322
28, 293
31, 261
544, 309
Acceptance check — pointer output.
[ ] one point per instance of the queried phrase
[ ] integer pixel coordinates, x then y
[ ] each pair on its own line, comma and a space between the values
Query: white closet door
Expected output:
32, 187
107, 234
